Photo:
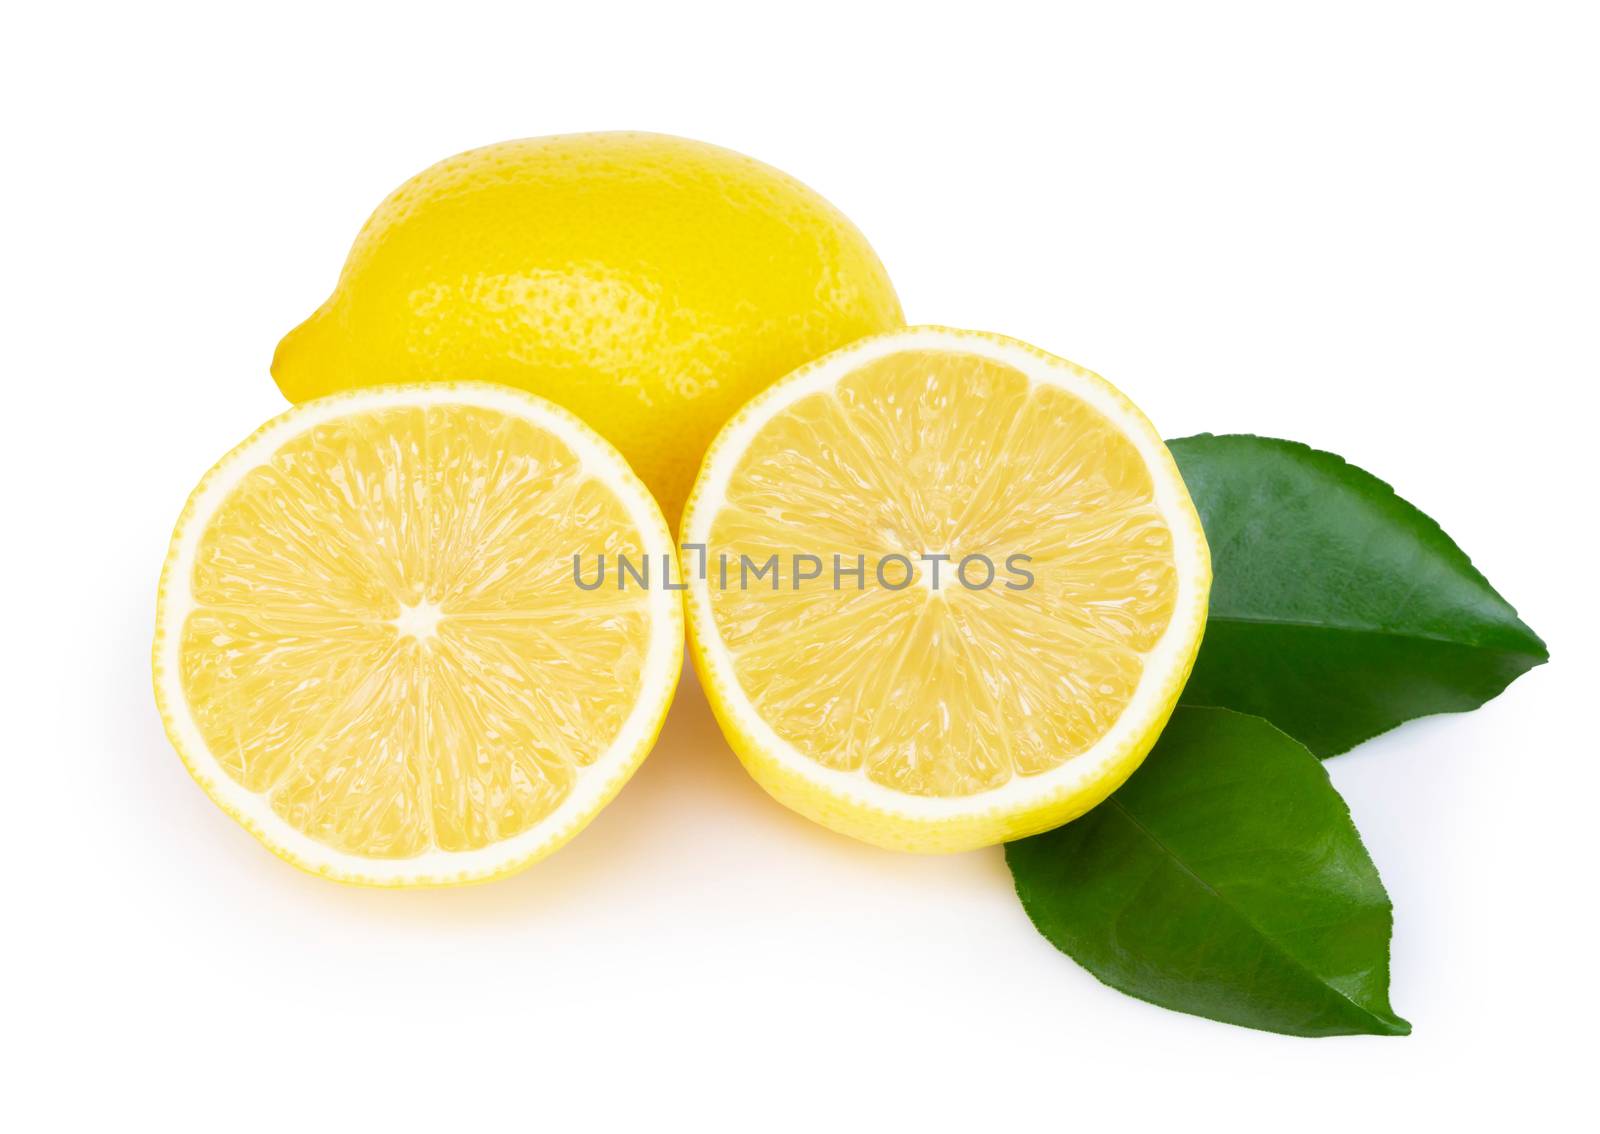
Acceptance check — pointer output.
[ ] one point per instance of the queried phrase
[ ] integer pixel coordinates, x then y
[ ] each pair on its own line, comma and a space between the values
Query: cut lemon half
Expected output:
372, 648
944, 588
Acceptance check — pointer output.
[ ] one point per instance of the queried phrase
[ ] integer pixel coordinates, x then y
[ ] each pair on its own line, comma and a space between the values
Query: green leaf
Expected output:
1337, 609
1224, 879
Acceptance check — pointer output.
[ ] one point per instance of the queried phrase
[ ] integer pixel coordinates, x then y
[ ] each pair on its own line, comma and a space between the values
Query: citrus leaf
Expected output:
1224, 879
1338, 610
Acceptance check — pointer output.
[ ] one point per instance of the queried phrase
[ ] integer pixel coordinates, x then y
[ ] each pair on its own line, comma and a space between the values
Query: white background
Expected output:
1372, 228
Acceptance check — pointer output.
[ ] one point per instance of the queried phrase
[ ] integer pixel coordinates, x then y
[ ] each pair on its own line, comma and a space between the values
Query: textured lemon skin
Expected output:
647, 283
348, 871
884, 827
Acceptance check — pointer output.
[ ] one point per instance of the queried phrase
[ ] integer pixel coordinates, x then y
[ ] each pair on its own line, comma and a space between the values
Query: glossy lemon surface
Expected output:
650, 284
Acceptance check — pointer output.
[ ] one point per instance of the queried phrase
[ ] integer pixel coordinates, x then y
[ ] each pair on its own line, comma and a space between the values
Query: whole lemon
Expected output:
650, 284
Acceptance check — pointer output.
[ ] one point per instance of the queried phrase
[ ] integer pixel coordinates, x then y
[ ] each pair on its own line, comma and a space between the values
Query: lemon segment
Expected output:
989, 584
371, 649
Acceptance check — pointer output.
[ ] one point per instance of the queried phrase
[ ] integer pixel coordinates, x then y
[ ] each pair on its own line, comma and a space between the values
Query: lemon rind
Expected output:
850, 803
597, 784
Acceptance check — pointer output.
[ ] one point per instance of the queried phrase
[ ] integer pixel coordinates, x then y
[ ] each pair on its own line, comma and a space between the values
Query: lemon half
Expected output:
371, 649
945, 588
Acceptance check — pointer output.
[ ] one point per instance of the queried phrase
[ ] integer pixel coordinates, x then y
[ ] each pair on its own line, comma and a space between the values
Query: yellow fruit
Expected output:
649, 284
370, 646
959, 709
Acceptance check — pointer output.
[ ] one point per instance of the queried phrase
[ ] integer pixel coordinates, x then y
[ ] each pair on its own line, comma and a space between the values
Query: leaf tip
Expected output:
1395, 1025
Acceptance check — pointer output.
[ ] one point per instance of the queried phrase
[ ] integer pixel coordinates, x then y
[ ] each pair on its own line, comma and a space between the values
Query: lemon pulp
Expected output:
381, 639
1003, 566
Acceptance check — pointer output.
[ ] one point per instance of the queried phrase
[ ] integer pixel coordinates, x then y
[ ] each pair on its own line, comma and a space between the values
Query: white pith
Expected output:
596, 783
1165, 665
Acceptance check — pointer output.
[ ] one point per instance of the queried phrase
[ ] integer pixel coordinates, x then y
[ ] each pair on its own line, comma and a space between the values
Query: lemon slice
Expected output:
944, 588
371, 646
